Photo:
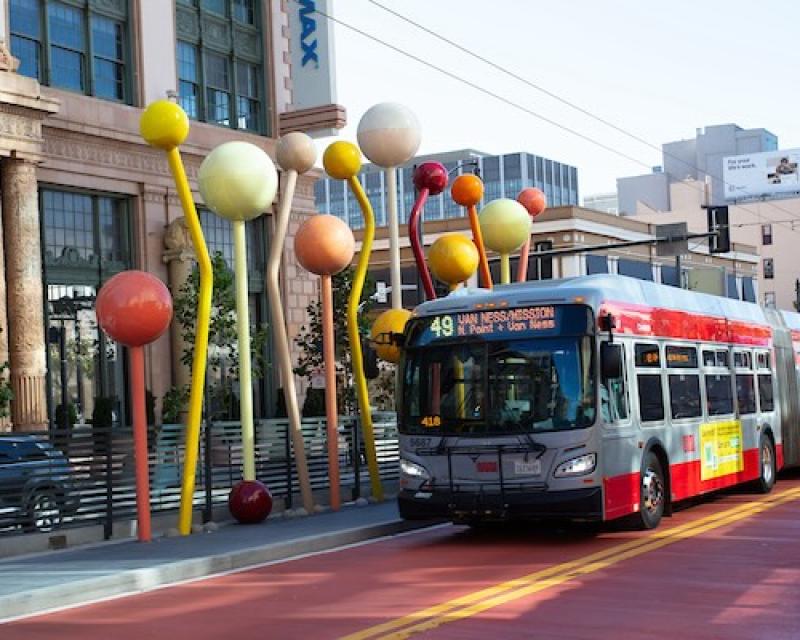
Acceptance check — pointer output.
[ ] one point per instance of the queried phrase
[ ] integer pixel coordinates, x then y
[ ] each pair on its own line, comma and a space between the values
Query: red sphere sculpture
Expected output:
134, 308
250, 502
533, 200
431, 176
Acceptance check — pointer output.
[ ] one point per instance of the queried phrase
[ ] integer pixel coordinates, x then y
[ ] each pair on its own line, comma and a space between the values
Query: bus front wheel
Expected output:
653, 492
766, 478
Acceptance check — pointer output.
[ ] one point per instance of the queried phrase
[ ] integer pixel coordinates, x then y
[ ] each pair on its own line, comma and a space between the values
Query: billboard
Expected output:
761, 174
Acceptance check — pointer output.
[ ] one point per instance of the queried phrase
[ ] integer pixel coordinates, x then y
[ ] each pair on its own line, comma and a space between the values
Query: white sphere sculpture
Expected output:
389, 134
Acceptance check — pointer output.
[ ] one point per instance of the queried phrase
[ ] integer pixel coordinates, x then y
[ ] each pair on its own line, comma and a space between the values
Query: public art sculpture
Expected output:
389, 135
134, 308
296, 154
430, 179
165, 125
535, 203
505, 225
238, 182
325, 245
342, 161
467, 190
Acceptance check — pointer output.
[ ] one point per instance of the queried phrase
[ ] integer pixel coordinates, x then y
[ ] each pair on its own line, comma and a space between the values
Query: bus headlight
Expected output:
579, 466
413, 470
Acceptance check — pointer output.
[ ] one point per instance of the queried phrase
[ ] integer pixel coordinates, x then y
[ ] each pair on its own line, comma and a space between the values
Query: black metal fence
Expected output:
88, 475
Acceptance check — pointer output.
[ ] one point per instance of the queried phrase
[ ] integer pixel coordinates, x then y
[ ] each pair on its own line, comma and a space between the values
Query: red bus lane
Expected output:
726, 568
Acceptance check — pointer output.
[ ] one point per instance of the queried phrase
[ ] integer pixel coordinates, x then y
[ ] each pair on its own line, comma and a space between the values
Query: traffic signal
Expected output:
718, 224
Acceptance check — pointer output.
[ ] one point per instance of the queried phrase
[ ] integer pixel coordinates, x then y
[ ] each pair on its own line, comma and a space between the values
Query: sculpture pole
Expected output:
430, 178
296, 154
389, 135
467, 190
238, 182
534, 201
165, 125
325, 245
342, 161
134, 308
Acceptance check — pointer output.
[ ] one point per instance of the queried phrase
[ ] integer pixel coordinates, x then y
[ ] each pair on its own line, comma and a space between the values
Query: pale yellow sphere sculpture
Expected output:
324, 245
238, 181
296, 151
453, 258
389, 134
505, 225
342, 160
389, 322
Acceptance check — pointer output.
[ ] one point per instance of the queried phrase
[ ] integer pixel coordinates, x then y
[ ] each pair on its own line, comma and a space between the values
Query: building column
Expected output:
24, 293
179, 257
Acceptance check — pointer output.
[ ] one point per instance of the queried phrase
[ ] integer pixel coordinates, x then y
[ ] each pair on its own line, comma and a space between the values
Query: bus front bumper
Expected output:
577, 504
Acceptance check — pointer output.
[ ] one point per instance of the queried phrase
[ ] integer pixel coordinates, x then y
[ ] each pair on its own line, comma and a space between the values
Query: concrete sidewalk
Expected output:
62, 578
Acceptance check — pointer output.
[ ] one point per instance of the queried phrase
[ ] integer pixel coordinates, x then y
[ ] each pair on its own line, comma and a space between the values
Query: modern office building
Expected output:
504, 176
83, 197
605, 202
694, 159
569, 227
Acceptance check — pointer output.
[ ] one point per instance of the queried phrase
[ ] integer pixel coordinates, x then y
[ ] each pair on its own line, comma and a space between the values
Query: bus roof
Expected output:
603, 288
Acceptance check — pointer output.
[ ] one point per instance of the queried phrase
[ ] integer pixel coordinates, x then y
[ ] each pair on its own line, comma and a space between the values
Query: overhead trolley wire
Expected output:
582, 110
520, 107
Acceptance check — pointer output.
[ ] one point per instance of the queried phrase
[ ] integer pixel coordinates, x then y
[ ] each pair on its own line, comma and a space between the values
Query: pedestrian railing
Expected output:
86, 476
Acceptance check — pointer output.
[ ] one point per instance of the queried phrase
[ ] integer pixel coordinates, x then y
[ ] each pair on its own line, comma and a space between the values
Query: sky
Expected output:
658, 70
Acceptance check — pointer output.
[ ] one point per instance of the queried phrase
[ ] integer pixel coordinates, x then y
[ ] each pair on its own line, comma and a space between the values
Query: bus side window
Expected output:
613, 395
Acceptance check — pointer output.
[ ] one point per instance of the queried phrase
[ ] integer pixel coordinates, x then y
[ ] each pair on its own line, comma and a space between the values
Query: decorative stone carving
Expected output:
7, 61
24, 294
177, 236
187, 24
216, 33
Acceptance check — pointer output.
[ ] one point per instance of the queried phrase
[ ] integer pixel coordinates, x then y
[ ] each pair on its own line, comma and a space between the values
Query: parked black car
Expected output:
36, 484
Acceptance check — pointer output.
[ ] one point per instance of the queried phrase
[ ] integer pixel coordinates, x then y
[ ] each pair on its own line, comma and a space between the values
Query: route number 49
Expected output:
443, 327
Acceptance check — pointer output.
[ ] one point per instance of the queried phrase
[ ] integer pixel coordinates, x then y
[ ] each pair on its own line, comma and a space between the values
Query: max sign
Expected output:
308, 39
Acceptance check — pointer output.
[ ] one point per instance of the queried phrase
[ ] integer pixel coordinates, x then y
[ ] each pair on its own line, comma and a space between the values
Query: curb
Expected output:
140, 580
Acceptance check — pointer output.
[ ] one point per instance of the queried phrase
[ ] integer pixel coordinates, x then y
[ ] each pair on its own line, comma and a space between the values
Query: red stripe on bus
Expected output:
779, 456
642, 320
621, 493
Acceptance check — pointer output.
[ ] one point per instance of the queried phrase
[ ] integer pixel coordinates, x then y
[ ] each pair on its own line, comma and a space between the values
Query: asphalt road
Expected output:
728, 567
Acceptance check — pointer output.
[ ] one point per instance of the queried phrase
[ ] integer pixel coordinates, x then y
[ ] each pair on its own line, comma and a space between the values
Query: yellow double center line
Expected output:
499, 594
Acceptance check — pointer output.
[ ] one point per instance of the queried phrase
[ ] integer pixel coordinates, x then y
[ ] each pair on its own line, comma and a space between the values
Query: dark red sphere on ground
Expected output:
250, 502
134, 308
431, 176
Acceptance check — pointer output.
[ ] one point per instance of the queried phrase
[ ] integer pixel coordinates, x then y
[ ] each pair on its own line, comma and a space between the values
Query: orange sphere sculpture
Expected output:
467, 190
533, 200
453, 258
134, 308
324, 245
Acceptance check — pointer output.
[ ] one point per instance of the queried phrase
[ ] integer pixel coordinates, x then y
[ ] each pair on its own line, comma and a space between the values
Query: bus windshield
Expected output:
499, 387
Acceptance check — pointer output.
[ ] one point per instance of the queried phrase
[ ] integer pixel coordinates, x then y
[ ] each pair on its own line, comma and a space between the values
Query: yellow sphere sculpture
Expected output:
453, 258
164, 125
505, 225
389, 322
342, 160
238, 181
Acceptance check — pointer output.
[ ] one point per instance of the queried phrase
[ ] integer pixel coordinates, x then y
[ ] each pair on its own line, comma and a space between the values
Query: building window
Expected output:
769, 300
766, 234
79, 46
221, 63
769, 269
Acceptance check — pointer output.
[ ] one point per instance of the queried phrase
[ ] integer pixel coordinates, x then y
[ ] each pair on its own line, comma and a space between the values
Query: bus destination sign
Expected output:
489, 322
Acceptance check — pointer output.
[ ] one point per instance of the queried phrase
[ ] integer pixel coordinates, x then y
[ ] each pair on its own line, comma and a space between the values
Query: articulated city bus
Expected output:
592, 398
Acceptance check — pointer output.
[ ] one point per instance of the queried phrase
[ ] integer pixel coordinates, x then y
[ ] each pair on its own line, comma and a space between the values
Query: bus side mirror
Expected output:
610, 361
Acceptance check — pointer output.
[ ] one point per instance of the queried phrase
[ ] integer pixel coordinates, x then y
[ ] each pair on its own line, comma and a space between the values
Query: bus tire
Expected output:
766, 463
652, 492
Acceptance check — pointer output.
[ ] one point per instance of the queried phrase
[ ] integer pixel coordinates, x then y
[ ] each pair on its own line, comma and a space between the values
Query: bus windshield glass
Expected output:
492, 387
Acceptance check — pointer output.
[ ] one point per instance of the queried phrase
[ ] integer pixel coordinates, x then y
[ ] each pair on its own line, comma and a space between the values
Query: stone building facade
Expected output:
83, 197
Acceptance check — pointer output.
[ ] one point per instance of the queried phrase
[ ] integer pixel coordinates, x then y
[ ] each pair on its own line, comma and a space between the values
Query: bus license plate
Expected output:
531, 468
